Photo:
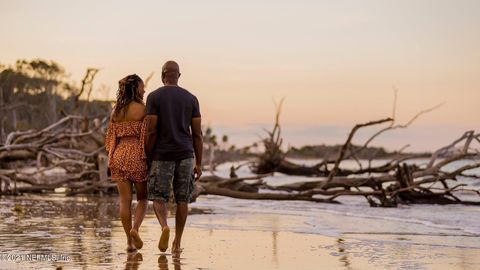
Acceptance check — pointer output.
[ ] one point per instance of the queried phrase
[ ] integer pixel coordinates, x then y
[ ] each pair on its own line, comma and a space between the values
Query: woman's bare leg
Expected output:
140, 211
125, 199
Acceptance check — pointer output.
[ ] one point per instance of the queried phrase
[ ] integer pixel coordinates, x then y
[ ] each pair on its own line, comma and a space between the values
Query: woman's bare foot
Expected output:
163, 242
137, 241
130, 246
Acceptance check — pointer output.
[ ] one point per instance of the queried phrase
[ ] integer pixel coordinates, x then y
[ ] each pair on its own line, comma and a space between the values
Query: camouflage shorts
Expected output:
166, 174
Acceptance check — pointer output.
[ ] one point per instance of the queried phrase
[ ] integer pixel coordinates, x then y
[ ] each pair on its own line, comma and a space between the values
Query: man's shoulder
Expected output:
154, 92
162, 90
186, 92
182, 92
172, 92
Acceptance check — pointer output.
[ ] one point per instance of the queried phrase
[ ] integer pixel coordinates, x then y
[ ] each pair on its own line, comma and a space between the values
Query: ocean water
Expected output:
353, 216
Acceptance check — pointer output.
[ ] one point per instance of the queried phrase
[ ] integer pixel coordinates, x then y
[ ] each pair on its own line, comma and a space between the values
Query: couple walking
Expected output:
152, 147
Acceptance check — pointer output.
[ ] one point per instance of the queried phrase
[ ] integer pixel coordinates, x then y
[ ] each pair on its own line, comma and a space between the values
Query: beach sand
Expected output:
89, 232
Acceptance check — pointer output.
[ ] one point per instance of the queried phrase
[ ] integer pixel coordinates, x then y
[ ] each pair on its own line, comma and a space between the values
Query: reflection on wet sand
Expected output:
134, 259
88, 231
77, 227
275, 249
163, 262
344, 260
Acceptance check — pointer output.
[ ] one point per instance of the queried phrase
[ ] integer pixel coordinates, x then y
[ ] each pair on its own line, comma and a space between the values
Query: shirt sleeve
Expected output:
142, 137
110, 138
196, 108
110, 142
151, 108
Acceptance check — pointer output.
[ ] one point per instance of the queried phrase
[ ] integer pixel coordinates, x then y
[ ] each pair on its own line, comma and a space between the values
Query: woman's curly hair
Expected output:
127, 92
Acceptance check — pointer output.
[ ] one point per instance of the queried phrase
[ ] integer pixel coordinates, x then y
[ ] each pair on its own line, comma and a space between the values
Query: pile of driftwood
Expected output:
396, 181
69, 156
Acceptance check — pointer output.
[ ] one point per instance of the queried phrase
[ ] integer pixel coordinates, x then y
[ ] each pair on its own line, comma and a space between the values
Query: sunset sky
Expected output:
335, 62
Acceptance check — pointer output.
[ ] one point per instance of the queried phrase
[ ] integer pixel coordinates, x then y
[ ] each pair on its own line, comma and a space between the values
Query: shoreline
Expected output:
228, 234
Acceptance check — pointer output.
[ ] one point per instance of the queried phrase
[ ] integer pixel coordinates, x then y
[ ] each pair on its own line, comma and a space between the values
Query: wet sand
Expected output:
276, 249
89, 233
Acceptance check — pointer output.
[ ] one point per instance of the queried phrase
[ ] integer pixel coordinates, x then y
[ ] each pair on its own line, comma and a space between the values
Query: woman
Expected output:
126, 154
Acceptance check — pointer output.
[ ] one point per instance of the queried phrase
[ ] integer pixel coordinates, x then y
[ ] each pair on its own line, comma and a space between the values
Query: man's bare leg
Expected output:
180, 220
161, 211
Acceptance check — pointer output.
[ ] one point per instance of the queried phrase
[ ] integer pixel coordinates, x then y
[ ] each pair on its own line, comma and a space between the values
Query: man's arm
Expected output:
197, 145
150, 135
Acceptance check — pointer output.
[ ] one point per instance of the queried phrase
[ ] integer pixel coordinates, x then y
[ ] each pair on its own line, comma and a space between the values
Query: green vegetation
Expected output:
331, 152
37, 93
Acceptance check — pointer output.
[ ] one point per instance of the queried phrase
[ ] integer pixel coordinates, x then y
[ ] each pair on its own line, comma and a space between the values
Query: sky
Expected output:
335, 62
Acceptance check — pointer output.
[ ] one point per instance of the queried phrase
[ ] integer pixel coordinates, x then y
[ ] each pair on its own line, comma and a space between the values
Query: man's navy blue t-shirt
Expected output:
175, 107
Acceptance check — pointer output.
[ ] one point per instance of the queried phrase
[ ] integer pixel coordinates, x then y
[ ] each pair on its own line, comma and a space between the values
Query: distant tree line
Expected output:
331, 152
36, 93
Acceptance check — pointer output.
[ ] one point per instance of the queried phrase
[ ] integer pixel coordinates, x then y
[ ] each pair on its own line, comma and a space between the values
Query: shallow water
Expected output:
85, 233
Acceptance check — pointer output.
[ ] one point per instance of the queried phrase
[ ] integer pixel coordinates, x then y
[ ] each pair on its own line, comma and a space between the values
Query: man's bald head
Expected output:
170, 66
170, 72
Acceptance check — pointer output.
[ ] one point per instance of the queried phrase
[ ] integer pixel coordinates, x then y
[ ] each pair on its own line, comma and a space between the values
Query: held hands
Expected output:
197, 171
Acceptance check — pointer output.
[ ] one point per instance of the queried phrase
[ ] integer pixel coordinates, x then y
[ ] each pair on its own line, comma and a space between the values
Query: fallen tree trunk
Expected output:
237, 188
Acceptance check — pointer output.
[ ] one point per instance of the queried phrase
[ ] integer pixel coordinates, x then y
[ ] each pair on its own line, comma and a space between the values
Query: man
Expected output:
173, 135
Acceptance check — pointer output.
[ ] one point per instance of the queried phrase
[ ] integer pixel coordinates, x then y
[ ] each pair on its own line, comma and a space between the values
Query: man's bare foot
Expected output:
163, 242
137, 241
176, 247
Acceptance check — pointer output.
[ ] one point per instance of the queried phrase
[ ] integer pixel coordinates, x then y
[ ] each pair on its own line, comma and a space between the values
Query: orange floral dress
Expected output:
125, 144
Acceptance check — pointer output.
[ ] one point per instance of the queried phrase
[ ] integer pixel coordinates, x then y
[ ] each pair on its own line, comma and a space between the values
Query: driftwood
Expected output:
73, 147
64, 145
238, 188
406, 184
60, 146
272, 157
385, 185
75, 144
384, 191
